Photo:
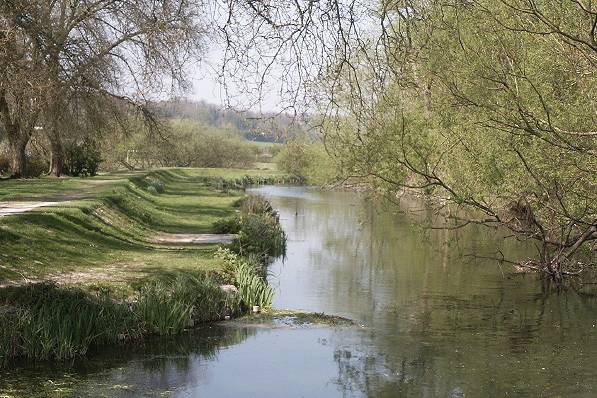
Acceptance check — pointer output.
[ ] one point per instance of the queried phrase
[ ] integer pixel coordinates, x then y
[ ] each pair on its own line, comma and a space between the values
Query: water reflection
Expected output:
445, 323
438, 323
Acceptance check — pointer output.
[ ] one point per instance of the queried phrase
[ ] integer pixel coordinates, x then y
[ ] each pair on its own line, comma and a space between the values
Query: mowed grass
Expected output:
106, 232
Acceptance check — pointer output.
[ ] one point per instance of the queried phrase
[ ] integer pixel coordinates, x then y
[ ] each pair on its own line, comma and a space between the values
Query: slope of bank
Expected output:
102, 277
112, 225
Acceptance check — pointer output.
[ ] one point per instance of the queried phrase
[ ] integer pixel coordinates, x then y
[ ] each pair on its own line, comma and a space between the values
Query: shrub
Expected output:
82, 159
155, 186
229, 225
36, 166
307, 160
261, 234
258, 227
4, 163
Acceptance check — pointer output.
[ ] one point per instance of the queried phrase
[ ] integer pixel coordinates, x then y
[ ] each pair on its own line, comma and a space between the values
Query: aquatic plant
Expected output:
9, 343
253, 289
56, 322
209, 301
258, 228
47, 321
169, 307
229, 225
245, 273
256, 204
162, 313
261, 234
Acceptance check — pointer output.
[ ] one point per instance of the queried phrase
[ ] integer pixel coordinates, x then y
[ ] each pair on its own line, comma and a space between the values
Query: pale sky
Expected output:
206, 87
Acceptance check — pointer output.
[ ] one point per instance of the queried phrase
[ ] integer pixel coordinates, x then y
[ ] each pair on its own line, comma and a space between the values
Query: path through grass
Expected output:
104, 227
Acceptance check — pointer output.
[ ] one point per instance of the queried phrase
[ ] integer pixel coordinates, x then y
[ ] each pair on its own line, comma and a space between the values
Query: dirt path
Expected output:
10, 208
165, 238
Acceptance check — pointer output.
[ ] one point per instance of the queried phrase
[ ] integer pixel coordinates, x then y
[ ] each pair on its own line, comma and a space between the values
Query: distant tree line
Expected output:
263, 127
184, 143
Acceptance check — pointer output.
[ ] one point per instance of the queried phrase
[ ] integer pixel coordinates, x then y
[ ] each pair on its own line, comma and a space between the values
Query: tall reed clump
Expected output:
9, 337
46, 321
51, 322
161, 313
258, 228
169, 307
247, 181
252, 287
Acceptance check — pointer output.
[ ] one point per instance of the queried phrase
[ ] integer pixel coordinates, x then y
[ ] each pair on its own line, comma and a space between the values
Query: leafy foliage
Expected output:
184, 143
82, 159
496, 118
309, 161
258, 228
157, 185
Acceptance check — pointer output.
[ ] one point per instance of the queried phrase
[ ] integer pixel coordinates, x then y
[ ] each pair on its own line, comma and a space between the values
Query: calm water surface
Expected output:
437, 322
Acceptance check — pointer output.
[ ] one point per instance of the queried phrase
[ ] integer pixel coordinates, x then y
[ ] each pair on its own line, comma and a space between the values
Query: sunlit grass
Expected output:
116, 282
114, 229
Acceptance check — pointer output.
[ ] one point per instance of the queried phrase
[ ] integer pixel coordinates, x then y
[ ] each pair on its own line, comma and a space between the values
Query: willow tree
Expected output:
96, 59
488, 107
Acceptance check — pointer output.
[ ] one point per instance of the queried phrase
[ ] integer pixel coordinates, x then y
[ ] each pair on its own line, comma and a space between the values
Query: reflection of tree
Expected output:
440, 324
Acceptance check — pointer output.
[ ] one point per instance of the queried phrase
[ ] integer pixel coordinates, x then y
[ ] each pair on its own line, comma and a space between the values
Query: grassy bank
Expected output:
104, 279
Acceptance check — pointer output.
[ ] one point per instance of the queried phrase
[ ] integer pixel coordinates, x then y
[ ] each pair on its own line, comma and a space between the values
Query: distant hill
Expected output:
254, 127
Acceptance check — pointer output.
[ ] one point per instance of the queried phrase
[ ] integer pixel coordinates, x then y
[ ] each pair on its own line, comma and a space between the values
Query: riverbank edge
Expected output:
46, 321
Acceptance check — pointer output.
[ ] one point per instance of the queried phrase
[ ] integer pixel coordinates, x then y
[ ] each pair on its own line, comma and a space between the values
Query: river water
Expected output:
434, 321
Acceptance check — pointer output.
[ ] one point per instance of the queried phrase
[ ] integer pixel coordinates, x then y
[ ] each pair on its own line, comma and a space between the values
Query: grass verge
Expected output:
104, 280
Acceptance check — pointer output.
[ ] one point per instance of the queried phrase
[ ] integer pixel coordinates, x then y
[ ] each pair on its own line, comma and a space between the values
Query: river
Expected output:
434, 321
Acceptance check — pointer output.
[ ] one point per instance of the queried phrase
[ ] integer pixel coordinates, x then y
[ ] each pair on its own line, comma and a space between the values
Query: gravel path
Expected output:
10, 208
194, 238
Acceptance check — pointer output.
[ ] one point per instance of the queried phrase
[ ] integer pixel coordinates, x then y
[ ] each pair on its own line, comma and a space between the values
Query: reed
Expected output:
47, 321
52, 322
245, 272
253, 289
169, 307
161, 312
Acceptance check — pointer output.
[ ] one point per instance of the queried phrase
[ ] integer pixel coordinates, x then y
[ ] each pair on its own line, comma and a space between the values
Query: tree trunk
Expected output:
18, 161
57, 158
17, 138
